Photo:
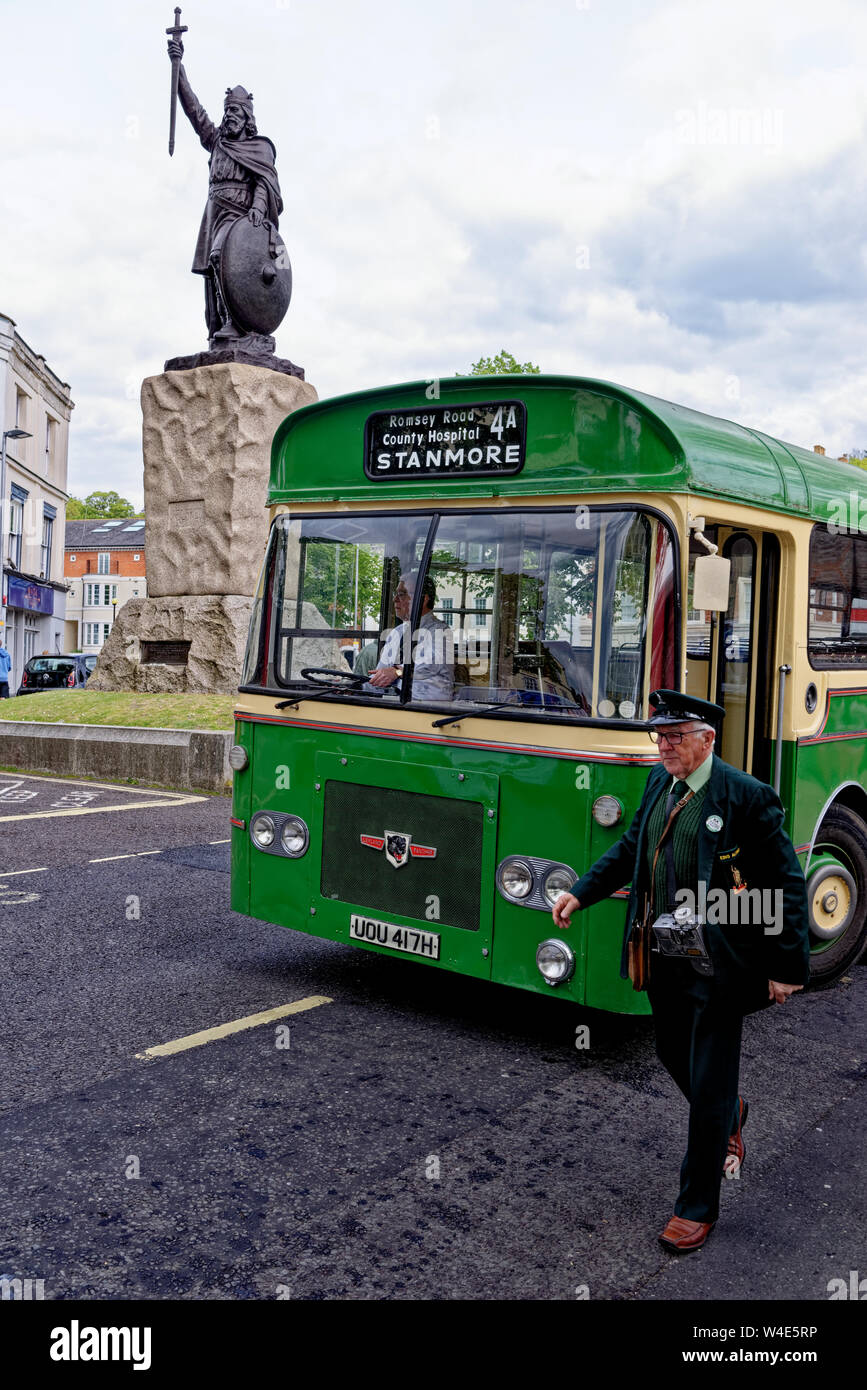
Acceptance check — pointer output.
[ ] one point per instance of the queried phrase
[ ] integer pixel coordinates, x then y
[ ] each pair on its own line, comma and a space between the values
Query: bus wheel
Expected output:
837, 895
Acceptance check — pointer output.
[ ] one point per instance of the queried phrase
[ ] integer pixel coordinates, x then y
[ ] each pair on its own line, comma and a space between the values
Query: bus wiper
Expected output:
474, 710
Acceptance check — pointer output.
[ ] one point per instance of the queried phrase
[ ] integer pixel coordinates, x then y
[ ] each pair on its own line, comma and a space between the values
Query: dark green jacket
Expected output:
752, 842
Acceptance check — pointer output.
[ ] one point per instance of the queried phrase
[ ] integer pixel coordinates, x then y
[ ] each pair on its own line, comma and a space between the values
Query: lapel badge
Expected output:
714, 823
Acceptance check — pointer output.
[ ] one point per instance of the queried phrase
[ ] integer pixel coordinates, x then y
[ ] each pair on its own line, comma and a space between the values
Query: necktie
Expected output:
678, 791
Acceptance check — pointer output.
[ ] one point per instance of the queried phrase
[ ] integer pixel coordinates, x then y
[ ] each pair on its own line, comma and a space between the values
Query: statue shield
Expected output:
256, 276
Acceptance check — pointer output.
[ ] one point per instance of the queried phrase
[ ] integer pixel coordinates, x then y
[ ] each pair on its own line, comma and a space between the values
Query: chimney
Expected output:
818, 448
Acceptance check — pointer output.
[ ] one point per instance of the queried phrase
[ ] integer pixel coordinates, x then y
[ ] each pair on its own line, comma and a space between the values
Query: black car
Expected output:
52, 673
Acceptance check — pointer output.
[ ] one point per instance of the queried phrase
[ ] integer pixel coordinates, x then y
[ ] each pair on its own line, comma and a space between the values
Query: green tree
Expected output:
99, 504
332, 577
504, 364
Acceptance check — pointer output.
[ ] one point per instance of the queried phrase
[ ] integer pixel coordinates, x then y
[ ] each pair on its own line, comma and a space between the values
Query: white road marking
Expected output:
15, 897
161, 798
11, 873
136, 854
104, 786
223, 1030
99, 810
219, 842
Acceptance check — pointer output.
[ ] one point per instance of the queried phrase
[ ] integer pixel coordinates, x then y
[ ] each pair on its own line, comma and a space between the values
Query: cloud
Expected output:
664, 194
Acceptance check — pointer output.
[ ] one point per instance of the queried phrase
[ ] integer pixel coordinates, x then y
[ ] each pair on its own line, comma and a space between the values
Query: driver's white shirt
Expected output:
434, 672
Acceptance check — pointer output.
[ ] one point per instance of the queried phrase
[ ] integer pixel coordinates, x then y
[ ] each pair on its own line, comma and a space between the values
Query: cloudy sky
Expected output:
665, 193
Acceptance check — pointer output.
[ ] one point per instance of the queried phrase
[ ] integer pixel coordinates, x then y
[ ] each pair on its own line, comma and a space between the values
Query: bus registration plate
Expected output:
409, 939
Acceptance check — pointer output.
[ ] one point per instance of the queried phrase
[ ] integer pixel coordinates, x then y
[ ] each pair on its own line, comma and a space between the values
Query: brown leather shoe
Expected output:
682, 1235
737, 1149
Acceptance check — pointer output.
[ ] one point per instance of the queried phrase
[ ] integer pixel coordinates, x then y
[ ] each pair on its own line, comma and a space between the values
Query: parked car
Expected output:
52, 673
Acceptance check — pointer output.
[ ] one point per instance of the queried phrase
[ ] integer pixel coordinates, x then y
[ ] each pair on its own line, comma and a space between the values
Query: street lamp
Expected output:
7, 434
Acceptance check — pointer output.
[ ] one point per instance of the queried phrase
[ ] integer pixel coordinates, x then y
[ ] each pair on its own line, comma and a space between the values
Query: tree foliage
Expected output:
344, 582
99, 504
504, 364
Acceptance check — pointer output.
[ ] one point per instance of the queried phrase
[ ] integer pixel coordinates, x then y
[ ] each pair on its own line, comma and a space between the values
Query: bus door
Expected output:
730, 655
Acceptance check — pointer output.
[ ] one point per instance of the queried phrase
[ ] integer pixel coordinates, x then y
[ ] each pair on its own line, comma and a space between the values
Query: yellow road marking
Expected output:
223, 1030
98, 810
12, 873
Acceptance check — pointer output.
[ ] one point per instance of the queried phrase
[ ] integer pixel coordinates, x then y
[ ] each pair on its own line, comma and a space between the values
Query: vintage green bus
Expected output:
527, 545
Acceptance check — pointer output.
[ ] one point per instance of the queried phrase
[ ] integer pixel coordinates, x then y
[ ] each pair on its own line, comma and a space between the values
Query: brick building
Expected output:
104, 566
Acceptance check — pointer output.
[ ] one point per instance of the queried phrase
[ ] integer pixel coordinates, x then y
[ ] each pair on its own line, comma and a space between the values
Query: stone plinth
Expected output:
207, 438
214, 625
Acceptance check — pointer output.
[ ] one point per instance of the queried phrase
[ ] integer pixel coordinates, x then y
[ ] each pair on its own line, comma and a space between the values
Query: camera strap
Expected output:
672, 807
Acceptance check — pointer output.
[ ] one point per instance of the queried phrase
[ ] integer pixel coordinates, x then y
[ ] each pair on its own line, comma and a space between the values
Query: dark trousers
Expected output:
698, 1041
4, 690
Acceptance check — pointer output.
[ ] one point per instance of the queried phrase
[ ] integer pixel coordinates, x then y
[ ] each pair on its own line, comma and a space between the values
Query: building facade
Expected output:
104, 566
33, 497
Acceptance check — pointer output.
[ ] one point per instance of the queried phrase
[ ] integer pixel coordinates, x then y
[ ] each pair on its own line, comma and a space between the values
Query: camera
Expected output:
681, 933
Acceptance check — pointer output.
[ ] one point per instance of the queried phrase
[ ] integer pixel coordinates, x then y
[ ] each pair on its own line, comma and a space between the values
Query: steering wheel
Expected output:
308, 672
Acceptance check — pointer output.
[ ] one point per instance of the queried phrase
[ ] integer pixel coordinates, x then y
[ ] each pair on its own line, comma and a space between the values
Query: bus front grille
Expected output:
376, 853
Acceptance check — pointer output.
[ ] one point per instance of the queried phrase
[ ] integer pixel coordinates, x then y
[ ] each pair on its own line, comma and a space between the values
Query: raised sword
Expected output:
175, 33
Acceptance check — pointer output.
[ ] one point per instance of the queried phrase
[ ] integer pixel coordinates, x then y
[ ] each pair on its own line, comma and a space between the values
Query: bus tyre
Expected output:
837, 897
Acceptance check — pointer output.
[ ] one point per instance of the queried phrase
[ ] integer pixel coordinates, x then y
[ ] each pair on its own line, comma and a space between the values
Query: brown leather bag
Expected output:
638, 951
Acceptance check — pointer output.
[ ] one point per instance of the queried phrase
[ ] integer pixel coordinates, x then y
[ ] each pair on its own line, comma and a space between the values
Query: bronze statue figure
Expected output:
248, 280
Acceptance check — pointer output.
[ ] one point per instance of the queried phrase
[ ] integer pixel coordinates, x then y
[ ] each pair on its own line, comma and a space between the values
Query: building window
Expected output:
72, 558
30, 635
837, 631
92, 595
45, 557
479, 613
106, 629
16, 531
50, 426
22, 401
104, 563
446, 605
136, 557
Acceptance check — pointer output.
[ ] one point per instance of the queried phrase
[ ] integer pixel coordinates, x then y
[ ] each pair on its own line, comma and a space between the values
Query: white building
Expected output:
33, 501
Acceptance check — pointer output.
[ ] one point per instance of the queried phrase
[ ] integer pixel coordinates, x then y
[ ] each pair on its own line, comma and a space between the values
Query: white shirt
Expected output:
434, 671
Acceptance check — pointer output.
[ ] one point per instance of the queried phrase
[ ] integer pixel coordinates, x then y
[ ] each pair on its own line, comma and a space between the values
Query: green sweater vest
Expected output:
686, 828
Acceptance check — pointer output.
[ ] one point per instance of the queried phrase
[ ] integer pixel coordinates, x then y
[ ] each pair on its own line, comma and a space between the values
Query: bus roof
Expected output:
583, 436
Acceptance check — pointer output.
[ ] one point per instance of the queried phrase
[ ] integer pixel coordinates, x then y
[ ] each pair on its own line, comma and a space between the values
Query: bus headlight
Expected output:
607, 810
555, 961
294, 836
262, 830
515, 879
557, 882
238, 759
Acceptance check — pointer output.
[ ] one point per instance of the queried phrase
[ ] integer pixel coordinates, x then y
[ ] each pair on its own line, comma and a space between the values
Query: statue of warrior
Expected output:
242, 183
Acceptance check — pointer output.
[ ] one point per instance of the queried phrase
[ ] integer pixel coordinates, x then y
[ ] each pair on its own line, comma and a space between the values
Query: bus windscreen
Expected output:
566, 612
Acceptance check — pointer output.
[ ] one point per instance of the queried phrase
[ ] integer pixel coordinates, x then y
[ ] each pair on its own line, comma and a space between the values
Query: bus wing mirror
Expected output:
710, 586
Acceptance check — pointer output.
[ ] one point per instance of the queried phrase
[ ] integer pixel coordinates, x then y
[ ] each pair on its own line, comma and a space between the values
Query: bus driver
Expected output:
433, 670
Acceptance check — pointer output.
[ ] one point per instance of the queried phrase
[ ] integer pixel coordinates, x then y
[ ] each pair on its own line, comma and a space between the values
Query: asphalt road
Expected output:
421, 1136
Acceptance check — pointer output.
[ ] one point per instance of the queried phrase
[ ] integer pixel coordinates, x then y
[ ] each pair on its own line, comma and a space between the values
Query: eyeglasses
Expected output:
672, 739
402, 593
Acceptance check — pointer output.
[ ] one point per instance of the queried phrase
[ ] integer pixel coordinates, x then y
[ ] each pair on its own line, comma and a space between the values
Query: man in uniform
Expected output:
243, 183
703, 825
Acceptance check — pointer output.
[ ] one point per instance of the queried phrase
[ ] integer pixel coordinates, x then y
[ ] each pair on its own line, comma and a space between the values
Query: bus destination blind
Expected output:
447, 441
